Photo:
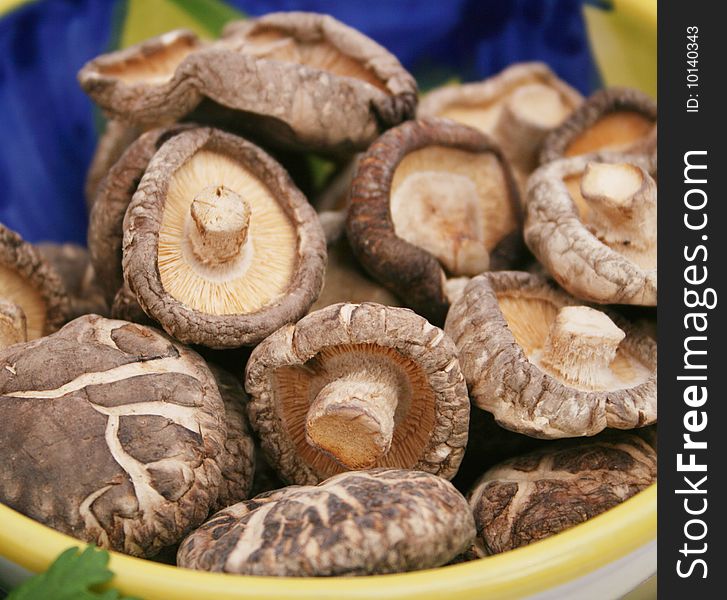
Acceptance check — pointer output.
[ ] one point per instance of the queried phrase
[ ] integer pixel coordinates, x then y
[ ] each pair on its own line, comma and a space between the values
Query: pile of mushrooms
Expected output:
391, 382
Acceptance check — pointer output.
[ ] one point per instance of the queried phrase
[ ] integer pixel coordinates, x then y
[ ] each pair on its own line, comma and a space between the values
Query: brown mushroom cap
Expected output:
237, 462
112, 434
303, 80
534, 496
431, 195
545, 372
220, 247
517, 107
597, 241
614, 119
105, 229
353, 386
29, 281
395, 521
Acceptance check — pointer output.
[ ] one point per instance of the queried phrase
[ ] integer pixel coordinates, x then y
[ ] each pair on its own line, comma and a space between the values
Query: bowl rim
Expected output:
540, 566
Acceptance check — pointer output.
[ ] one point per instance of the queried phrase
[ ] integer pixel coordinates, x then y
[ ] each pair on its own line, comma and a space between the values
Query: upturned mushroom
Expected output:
13, 324
517, 107
591, 222
614, 119
431, 199
379, 521
30, 282
547, 367
356, 386
534, 496
112, 433
301, 80
220, 247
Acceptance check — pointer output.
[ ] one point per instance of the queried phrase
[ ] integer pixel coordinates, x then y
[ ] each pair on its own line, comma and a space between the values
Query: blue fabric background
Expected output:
49, 128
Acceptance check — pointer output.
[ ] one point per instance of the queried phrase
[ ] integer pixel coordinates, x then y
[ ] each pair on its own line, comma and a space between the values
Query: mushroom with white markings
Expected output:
220, 247
356, 386
362, 523
591, 222
547, 367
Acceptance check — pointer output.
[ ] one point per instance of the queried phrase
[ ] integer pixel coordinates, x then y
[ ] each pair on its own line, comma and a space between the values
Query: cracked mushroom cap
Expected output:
106, 220
614, 119
591, 222
356, 386
547, 367
112, 434
534, 496
31, 282
517, 107
396, 520
431, 199
303, 80
220, 247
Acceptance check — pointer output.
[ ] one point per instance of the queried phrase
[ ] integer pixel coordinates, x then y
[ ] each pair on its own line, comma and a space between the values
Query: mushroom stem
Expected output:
352, 419
581, 345
526, 118
622, 198
13, 327
222, 219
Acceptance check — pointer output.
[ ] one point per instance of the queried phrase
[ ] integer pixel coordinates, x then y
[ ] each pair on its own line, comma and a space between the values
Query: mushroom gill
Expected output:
615, 131
18, 290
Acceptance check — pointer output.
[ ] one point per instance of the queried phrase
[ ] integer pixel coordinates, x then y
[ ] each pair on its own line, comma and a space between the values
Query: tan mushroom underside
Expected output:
454, 204
530, 320
413, 421
614, 131
16, 289
266, 261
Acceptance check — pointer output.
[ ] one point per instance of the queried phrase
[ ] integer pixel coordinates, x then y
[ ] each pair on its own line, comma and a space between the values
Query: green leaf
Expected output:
73, 575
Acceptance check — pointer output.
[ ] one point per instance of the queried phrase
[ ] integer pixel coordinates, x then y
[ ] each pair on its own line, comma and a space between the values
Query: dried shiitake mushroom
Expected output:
547, 367
353, 386
118, 443
73, 263
220, 247
591, 222
13, 325
116, 138
105, 229
534, 496
301, 80
433, 198
379, 521
614, 119
517, 107
29, 281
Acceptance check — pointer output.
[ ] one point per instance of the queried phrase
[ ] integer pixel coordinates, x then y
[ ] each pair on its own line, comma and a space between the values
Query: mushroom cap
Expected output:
106, 220
579, 261
501, 324
457, 159
275, 278
395, 520
289, 368
237, 462
29, 281
114, 434
558, 486
303, 80
616, 119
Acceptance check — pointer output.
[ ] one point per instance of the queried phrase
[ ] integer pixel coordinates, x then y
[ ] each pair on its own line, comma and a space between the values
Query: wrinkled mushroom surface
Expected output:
220, 247
547, 367
112, 434
29, 281
534, 496
379, 521
433, 198
355, 386
614, 119
303, 80
518, 107
591, 222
